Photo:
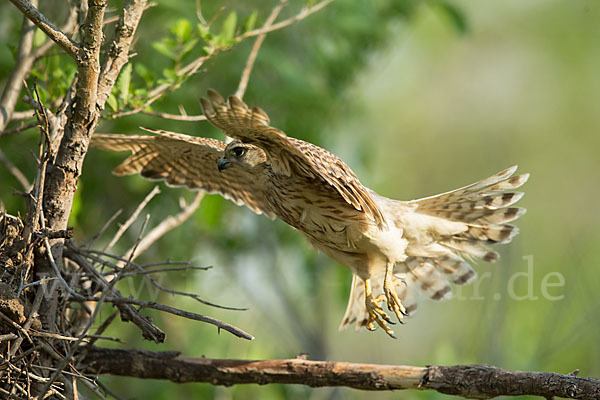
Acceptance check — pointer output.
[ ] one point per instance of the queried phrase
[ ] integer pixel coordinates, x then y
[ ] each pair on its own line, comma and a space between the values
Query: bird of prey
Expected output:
395, 249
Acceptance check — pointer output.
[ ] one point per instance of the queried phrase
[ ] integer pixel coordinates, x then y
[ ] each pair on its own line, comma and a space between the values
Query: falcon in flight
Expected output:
396, 250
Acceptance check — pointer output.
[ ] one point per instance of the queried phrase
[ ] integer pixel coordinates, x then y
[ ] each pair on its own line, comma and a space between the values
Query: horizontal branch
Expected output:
472, 381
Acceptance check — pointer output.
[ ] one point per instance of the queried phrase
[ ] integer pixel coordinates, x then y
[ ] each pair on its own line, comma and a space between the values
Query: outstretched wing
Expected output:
288, 155
183, 160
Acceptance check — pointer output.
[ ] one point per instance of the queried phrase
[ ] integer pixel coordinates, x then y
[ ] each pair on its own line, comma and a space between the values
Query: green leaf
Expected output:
228, 30
250, 21
163, 49
170, 74
123, 82
145, 74
204, 31
112, 102
182, 30
39, 37
188, 46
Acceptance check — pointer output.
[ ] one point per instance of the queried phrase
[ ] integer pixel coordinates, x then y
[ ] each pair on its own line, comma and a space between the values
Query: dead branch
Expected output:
165, 226
470, 381
155, 190
181, 313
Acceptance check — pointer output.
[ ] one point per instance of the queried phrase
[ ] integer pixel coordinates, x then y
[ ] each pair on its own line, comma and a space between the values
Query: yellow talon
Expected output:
376, 313
389, 287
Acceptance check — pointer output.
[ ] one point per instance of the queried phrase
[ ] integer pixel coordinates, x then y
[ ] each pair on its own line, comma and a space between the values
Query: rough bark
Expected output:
470, 381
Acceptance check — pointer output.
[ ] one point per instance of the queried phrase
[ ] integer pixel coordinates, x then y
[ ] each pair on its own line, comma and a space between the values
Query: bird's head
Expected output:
243, 155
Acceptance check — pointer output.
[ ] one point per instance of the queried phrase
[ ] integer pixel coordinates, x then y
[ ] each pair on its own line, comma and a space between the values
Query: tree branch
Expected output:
305, 12
48, 27
471, 381
14, 82
118, 55
241, 90
62, 179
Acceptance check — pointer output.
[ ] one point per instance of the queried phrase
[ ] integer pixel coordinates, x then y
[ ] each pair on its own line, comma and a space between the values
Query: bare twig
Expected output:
175, 117
132, 218
185, 267
90, 242
13, 84
57, 272
141, 271
19, 115
73, 349
48, 27
16, 172
241, 90
181, 313
165, 226
305, 12
17, 129
473, 381
128, 312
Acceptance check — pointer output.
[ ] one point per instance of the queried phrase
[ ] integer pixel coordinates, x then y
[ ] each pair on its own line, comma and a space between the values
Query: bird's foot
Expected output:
376, 313
391, 296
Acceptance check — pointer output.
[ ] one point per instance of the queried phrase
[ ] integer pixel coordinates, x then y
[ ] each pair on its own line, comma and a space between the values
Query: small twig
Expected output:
128, 312
186, 267
55, 267
8, 336
241, 90
15, 171
305, 12
189, 118
165, 226
16, 326
91, 241
39, 295
120, 275
61, 366
175, 311
108, 390
20, 128
132, 218
23, 65
19, 115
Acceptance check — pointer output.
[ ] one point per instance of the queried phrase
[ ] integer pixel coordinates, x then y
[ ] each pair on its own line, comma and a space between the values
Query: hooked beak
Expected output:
223, 164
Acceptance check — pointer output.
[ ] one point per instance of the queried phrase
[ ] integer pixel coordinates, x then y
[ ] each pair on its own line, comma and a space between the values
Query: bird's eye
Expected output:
238, 151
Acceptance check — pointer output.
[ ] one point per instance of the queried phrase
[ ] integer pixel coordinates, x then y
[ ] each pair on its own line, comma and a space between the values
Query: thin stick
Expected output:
175, 117
132, 218
241, 90
91, 241
119, 267
175, 311
93, 317
165, 226
17, 129
15, 171
305, 12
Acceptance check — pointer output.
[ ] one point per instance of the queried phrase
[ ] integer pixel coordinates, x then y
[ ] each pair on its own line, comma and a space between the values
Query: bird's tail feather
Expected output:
464, 222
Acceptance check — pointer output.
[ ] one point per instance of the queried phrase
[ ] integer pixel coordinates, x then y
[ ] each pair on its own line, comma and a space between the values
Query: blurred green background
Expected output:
418, 97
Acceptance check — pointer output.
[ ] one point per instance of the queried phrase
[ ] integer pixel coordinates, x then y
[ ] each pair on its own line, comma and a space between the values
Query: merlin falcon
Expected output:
396, 250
